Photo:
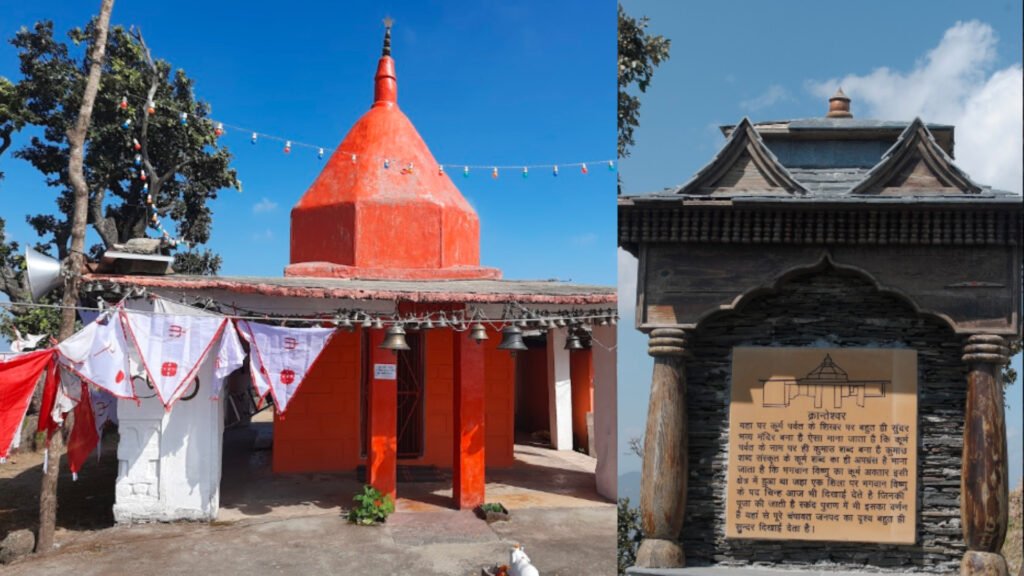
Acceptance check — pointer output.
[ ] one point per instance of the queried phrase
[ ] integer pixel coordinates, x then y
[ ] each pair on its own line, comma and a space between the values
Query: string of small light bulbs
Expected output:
220, 129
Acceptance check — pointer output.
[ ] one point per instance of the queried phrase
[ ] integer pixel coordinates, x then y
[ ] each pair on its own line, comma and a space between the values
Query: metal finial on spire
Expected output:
839, 105
387, 35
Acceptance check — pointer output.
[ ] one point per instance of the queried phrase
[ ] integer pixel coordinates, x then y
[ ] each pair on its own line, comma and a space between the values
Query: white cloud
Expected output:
583, 240
773, 95
264, 236
264, 206
952, 84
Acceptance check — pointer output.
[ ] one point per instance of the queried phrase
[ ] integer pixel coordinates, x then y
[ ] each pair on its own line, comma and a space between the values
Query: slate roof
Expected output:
833, 124
914, 141
470, 291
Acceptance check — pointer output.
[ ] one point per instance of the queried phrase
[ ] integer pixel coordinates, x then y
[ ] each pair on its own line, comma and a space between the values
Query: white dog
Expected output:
519, 563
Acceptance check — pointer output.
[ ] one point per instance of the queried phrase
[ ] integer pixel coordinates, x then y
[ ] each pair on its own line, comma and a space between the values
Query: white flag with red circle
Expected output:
280, 358
172, 347
98, 354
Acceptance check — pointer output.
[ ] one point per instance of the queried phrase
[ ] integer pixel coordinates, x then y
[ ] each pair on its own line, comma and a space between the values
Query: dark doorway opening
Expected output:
410, 419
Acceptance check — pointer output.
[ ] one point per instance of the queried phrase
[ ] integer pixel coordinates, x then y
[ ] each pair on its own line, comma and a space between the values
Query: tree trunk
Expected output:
76, 175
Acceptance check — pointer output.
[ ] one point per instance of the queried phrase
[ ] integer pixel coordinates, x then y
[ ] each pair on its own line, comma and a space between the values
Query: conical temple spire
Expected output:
385, 87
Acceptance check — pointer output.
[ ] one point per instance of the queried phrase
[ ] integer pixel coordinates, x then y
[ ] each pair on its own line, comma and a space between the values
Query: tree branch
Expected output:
154, 83
10, 285
104, 226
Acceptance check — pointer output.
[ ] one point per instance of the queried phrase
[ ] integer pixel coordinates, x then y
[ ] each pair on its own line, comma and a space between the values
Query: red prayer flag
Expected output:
46, 423
84, 437
18, 377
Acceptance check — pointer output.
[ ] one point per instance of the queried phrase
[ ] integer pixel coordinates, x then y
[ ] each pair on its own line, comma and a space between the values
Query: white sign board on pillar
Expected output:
385, 371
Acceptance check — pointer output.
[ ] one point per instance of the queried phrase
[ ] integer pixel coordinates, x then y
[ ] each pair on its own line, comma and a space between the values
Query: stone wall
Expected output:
828, 309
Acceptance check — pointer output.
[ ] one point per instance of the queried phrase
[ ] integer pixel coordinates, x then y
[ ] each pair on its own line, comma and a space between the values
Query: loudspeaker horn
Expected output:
43, 273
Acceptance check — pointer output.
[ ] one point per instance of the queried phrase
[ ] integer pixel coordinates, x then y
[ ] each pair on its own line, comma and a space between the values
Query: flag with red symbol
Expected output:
280, 357
98, 354
173, 341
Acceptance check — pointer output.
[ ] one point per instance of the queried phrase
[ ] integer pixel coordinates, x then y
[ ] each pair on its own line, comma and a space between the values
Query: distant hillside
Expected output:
1012, 548
629, 487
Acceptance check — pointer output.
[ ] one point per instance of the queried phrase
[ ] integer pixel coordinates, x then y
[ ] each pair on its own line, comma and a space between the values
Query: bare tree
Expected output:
76, 176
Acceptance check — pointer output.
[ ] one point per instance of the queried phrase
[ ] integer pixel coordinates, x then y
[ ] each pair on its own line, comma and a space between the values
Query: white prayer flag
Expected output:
230, 357
98, 354
172, 347
280, 358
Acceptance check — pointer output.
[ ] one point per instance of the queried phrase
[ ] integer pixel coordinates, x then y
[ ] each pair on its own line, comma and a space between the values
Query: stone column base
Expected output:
982, 564
654, 553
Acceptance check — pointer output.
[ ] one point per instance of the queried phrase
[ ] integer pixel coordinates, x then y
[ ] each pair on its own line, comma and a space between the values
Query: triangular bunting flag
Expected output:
98, 354
172, 346
18, 376
280, 358
230, 357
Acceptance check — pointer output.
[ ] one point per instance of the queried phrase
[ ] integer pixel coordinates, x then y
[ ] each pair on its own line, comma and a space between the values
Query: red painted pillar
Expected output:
382, 459
468, 422
581, 375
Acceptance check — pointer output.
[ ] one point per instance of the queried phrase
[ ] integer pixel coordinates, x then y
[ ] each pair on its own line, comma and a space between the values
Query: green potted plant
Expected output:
371, 507
491, 512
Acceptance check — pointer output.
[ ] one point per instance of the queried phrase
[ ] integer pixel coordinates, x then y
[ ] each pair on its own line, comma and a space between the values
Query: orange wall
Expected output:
499, 423
581, 372
321, 431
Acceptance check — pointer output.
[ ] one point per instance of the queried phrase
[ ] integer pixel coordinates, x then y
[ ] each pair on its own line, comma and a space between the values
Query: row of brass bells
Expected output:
511, 339
394, 339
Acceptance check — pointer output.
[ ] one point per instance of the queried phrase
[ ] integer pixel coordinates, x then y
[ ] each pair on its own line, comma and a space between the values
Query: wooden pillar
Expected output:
983, 484
663, 484
468, 422
382, 457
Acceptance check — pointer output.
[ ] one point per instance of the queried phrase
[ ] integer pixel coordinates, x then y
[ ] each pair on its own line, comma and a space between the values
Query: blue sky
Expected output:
483, 82
950, 62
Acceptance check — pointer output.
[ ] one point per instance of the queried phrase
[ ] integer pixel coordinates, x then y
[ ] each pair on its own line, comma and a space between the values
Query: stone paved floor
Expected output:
294, 524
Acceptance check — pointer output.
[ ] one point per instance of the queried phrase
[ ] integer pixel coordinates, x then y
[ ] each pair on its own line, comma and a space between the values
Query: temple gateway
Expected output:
829, 303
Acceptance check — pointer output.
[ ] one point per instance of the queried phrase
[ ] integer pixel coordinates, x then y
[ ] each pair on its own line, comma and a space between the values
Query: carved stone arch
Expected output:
824, 263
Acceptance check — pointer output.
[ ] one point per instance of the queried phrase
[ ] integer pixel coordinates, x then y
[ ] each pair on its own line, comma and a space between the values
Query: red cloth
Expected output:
46, 423
18, 377
84, 437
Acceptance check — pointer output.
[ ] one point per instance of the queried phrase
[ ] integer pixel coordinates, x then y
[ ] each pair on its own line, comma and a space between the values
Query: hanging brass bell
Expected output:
394, 339
572, 342
511, 339
478, 333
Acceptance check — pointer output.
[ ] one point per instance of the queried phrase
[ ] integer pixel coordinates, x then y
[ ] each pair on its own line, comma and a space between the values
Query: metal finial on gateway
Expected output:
839, 105
387, 36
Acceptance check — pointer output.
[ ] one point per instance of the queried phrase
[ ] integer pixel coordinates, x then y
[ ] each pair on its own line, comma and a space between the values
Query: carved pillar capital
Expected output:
668, 342
986, 349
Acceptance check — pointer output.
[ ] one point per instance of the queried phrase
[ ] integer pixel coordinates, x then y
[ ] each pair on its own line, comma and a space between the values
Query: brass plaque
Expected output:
823, 445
